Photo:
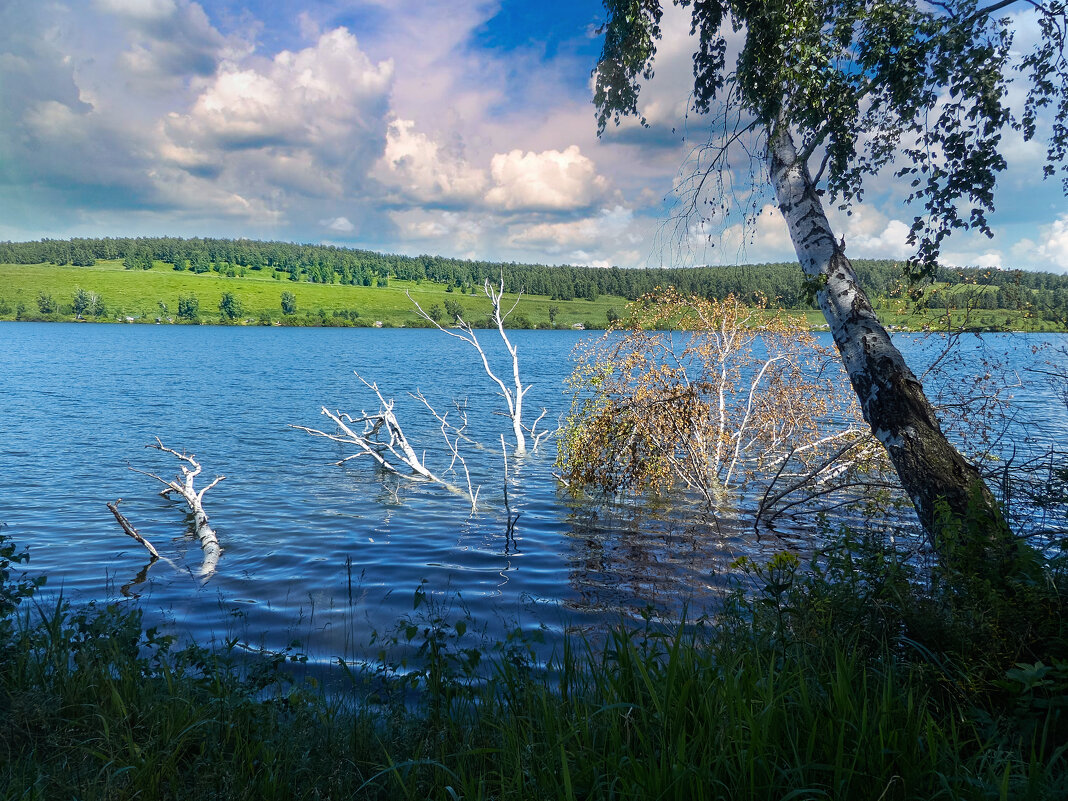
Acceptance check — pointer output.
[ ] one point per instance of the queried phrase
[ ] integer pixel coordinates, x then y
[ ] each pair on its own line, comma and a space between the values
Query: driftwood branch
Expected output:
383, 439
183, 486
130, 530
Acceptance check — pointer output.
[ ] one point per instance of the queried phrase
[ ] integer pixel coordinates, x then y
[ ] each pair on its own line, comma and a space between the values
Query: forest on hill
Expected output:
1042, 295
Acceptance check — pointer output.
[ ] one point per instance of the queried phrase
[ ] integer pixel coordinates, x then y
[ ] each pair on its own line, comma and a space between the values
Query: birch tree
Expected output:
833, 91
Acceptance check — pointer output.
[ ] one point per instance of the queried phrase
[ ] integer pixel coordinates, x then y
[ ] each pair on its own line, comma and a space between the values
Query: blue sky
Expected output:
460, 128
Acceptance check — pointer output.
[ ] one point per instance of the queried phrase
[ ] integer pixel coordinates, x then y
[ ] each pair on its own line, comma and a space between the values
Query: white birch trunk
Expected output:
891, 398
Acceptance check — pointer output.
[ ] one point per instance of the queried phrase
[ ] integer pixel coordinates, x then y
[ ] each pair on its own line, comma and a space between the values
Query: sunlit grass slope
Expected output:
138, 293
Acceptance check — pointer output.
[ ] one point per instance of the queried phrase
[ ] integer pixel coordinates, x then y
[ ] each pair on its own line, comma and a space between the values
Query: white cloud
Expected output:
1054, 247
329, 96
552, 180
762, 237
340, 224
306, 124
972, 258
614, 224
465, 233
870, 234
424, 171
168, 39
611, 237
52, 120
143, 10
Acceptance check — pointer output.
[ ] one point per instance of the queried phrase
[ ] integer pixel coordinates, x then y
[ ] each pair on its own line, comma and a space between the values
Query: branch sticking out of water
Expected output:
383, 439
130, 530
183, 486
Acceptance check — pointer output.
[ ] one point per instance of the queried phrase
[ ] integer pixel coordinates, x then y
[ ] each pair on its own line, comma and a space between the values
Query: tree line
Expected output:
1045, 292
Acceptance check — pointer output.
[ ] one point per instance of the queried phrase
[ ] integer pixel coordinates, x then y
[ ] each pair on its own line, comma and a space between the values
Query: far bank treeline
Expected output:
1043, 295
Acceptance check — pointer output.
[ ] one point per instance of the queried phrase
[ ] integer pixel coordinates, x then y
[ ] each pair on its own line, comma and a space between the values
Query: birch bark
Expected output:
891, 398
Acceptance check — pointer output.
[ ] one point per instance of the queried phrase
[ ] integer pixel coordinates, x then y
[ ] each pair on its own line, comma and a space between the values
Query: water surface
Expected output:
317, 551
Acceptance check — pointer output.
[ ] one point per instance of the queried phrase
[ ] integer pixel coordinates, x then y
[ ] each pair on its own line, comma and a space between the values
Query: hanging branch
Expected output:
513, 396
183, 486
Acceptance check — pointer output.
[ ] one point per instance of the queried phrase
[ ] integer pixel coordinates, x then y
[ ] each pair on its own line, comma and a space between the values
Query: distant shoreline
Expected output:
253, 324
107, 291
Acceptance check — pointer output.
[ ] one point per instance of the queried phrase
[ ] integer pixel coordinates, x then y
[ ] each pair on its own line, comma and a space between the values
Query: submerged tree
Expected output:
513, 395
715, 395
849, 86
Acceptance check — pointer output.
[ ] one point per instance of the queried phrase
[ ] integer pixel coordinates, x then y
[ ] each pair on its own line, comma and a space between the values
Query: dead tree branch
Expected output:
130, 530
513, 396
384, 440
183, 485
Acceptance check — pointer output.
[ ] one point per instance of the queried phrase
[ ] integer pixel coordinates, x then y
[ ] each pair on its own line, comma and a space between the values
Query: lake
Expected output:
328, 553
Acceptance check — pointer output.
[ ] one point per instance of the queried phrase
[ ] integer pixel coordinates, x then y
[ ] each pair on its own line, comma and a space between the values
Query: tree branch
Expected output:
130, 530
209, 541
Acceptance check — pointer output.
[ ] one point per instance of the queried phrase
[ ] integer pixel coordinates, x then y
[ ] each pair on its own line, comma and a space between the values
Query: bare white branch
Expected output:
384, 440
513, 396
130, 530
183, 485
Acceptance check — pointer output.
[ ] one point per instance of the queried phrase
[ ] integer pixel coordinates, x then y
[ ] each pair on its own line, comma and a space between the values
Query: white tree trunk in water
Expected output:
891, 397
209, 542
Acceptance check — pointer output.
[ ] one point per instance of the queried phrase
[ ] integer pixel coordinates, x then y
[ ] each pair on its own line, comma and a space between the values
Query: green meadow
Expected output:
137, 294
150, 296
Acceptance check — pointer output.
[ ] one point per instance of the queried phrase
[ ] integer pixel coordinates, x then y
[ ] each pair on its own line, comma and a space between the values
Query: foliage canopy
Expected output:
860, 83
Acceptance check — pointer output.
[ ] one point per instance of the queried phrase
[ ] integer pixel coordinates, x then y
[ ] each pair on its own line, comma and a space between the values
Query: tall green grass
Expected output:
812, 683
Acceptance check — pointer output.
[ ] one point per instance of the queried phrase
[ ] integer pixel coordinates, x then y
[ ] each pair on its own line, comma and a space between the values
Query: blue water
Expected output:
321, 552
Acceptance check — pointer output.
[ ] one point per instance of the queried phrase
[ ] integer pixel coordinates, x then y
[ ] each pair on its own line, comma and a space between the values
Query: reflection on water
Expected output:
319, 552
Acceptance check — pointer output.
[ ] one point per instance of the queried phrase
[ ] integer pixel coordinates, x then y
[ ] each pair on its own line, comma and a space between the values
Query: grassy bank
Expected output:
852, 679
137, 294
148, 296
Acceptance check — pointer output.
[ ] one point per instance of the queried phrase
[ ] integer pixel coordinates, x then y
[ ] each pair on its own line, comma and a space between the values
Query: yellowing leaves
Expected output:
708, 395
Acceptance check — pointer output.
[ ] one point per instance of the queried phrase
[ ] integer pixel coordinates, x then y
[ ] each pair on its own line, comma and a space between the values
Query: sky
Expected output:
454, 127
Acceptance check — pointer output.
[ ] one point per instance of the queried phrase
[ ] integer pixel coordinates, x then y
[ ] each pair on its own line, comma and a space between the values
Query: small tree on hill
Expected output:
87, 303
229, 306
289, 303
188, 307
453, 309
46, 303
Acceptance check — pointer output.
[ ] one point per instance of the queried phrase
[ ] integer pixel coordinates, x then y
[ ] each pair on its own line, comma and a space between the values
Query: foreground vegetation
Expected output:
166, 279
859, 677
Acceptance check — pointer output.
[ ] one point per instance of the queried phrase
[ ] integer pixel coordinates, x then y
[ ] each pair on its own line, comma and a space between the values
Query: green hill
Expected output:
152, 279
153, 295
